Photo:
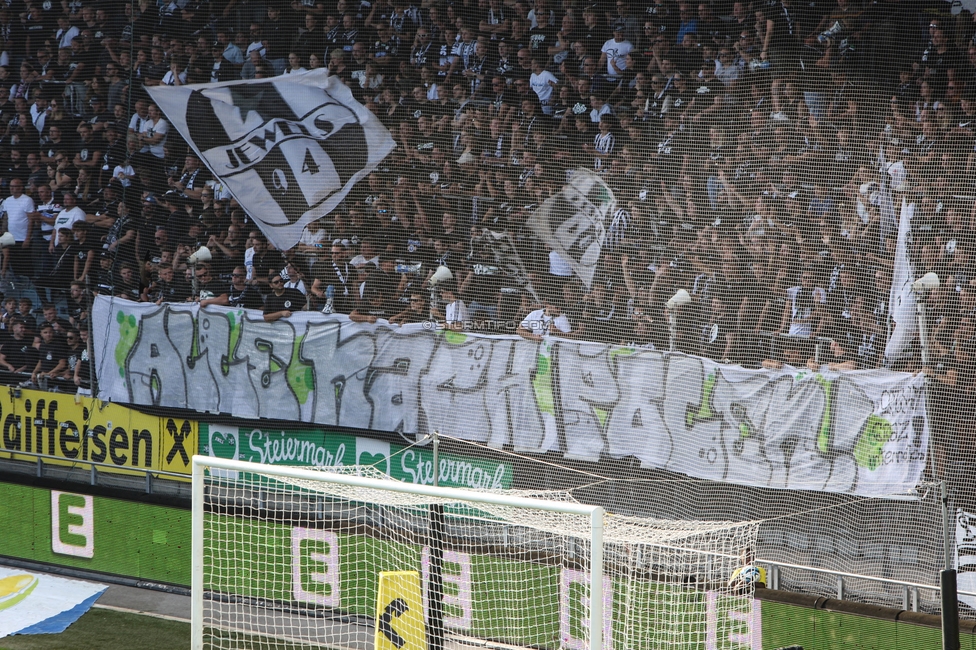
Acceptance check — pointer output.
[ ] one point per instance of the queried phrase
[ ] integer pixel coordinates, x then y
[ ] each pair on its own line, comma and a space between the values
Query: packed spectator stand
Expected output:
745, 144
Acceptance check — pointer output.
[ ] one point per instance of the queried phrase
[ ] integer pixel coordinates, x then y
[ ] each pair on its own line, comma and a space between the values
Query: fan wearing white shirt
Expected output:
66, 218
176, 75
548, 321
66, 32
455, 314
614, 52
543, 83
17, 206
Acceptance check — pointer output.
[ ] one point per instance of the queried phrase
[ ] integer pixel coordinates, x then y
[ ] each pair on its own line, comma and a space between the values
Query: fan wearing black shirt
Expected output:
207, 286
238, 294
64, 258
374, 308
416, 312
51, 358
18, 353
193, 178
73, 351
127, 282
77, 305
167, 288
281, 302
265, 262
83, 250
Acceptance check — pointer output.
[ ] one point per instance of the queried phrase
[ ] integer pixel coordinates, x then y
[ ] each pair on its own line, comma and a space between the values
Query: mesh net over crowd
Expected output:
702, 262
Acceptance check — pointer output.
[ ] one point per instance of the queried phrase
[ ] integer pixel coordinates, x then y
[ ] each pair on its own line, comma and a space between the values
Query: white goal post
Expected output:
244, 492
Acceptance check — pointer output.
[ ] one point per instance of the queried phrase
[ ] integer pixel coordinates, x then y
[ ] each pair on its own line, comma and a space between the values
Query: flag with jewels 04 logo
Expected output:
288, 148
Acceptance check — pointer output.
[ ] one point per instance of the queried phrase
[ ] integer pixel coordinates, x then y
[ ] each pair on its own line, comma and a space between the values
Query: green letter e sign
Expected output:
72, 524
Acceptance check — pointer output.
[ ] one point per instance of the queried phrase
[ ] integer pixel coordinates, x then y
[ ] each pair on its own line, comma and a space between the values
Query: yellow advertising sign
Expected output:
400, 612
179, 440
76, 429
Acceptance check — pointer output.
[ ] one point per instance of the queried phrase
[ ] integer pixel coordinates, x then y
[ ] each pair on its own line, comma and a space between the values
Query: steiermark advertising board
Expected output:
318, 448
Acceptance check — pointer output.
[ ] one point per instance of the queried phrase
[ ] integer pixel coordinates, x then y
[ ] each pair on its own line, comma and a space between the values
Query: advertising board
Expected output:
138, 540
319, 448
73, 428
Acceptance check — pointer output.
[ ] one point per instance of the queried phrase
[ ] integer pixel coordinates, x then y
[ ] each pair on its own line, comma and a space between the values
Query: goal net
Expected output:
351, 559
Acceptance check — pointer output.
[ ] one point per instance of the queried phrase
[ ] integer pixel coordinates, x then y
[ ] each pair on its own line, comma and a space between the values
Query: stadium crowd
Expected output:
744, 142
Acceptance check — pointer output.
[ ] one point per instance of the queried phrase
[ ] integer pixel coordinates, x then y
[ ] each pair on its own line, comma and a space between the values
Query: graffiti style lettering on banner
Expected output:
860, 432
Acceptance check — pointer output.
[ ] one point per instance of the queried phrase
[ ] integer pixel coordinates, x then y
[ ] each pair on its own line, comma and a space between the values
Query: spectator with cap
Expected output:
614, 52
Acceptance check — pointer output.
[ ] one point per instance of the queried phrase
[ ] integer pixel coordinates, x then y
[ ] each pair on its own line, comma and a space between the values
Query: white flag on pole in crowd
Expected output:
508, 260
902, 305
572, 222
288, 148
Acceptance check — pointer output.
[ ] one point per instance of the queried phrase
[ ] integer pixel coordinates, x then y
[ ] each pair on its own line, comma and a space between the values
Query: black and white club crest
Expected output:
287, 148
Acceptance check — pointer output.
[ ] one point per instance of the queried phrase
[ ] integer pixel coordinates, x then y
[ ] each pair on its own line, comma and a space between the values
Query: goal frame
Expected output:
201, 463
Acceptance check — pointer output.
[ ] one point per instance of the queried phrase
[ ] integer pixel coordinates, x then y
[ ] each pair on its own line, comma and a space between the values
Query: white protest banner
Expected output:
861, 432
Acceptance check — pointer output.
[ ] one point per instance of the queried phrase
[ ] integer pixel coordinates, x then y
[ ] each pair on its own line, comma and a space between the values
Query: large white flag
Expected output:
572, 222
902, 297
288, 148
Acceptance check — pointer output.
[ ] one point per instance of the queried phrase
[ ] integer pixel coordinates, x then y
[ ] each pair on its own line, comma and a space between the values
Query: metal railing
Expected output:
910, 590
67, 463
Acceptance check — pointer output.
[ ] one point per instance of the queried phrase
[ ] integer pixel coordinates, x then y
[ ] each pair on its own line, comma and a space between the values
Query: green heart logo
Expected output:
223, 444
379, 461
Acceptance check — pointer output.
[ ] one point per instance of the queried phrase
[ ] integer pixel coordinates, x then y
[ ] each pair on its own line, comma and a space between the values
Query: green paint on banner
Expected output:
236, 323
601, 415
620, 352
870, 444
128, 332
704, 411
300, 375
826, 419
542, 385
